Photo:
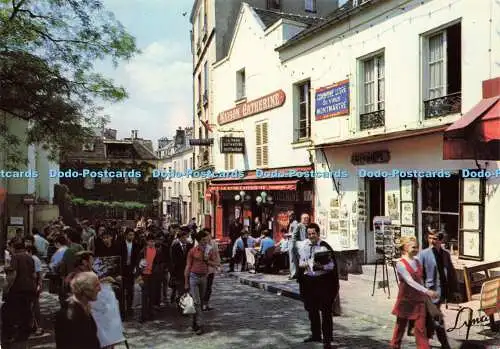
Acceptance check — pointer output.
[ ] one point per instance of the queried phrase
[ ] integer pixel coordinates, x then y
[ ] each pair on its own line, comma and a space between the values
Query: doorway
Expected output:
376, 198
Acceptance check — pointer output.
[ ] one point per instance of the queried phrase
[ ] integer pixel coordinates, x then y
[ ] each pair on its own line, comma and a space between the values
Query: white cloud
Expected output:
159, 82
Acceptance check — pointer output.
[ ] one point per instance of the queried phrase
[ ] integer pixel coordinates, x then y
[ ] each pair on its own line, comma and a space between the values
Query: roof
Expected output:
269, 17
384, 137
335, 17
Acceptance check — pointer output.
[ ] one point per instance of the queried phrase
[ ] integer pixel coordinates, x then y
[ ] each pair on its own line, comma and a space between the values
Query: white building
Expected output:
406, 70
26, 202
251, 105
213, 23
176, 155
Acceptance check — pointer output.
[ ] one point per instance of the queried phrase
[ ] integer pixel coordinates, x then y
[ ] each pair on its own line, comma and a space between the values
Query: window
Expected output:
442, 72
261, 144
373, 94
228, 162
310, 5
199, 92
440, 207
303, 118
240, 84
273, 4
205, 84
88, 147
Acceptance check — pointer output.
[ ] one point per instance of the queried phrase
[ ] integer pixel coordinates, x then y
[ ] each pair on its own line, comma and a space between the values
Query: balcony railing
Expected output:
441, 106
372, 120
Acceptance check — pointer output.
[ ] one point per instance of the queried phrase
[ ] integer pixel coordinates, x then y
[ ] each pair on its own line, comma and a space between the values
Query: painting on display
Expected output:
471, 240
323, 222
470, 214
393, 206
471, 190
407, 213
408, 231
406, 190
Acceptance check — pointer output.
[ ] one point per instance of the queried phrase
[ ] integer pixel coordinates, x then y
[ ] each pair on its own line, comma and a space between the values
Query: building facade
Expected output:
26, 202
176, 156
386, 81
253, 112
213, 23
119, 196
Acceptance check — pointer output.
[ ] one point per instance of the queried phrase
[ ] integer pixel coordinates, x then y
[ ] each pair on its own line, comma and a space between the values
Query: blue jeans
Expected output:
197, 289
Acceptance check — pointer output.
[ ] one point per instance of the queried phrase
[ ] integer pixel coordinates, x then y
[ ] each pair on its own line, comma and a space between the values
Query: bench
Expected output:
475, 276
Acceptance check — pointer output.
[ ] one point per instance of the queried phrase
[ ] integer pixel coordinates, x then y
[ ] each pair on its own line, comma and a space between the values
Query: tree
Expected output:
48, 51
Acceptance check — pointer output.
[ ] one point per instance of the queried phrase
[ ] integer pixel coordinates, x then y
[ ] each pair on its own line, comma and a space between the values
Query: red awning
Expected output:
476, 134
258, 185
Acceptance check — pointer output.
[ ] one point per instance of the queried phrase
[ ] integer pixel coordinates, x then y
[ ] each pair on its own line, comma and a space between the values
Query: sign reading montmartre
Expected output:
262, 104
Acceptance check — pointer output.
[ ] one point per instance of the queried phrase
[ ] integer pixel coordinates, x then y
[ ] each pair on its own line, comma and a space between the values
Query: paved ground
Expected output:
245, 317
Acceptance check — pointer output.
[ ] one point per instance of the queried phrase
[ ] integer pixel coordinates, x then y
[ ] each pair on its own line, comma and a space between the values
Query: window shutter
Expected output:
265, 159
258, 144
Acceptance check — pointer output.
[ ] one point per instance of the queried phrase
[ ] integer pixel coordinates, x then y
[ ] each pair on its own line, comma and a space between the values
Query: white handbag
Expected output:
187, 304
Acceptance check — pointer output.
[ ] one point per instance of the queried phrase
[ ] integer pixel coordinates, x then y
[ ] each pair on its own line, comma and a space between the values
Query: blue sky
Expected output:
159, 80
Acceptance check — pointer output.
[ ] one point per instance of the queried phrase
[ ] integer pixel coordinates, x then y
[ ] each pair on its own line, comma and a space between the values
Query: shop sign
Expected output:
257, 106
232, 145
332, 100
204, 141
371, 157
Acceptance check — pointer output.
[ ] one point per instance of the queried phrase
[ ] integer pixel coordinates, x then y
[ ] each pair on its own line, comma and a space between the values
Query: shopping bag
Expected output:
187, 304
137, 302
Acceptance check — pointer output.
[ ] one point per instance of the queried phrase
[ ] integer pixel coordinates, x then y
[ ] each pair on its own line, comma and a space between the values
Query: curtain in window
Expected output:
436, 66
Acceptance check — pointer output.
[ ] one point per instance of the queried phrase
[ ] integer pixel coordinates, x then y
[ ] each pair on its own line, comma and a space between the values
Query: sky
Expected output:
159, 81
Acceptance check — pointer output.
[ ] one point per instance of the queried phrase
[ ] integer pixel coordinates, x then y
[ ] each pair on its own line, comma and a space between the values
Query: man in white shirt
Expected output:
319, 285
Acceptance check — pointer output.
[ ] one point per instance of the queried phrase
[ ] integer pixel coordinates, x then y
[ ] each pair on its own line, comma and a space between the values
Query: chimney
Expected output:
180, 137
134, 134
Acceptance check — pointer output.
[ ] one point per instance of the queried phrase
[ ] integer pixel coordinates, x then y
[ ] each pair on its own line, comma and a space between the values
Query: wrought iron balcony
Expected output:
372, 120
441, 106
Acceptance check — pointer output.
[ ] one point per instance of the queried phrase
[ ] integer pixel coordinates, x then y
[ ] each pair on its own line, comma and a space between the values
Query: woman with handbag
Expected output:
412, 296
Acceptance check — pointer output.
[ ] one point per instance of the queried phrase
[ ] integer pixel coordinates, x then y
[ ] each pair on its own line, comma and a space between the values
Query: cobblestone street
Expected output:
244, 317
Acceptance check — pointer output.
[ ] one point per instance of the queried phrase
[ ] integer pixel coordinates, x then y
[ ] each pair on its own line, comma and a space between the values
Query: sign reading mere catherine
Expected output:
332, 100
262, 104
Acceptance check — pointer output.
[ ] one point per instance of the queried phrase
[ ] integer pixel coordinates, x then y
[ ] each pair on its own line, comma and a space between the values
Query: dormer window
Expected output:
88, 147
273, 4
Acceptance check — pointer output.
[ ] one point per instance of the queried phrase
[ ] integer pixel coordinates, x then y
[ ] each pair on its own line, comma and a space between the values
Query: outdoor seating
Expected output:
475, 276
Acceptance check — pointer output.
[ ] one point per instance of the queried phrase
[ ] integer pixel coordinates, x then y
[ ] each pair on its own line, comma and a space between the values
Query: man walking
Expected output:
319, 285
130, 250
439, 276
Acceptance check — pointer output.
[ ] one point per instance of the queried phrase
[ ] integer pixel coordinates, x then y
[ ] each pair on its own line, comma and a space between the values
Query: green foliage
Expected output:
48, 51
128, 205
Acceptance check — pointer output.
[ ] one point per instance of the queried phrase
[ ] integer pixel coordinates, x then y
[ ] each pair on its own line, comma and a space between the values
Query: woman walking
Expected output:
410, 304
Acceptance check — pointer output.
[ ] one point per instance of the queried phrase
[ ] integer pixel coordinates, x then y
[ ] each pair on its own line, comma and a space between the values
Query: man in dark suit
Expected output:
130, 250
178, 256
319, 285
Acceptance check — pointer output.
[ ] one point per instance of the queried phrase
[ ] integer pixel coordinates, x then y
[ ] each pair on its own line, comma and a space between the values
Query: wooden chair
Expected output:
489, 303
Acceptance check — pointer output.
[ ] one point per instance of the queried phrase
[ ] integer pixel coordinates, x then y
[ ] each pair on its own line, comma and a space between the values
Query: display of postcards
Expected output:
344, 232
362, 212
362, 218
354, 222
343, 223
334, 213
334, 225
354, 207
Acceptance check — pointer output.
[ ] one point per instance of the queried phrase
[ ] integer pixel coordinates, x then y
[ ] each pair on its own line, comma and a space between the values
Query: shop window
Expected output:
373, 92
440, 209
261, 144
442, 72
302, 111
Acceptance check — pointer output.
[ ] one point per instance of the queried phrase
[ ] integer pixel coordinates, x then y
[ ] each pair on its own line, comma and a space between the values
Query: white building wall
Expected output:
253, 50
333, 56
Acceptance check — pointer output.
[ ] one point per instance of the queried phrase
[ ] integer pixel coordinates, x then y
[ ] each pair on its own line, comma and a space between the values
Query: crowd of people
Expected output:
165, 261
